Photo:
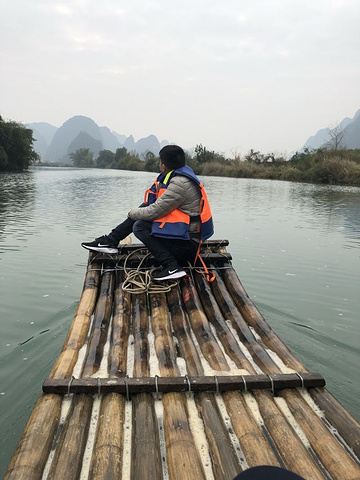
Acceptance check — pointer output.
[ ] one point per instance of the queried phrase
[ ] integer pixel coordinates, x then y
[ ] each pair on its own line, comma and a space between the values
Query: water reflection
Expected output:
338, 207
17, 202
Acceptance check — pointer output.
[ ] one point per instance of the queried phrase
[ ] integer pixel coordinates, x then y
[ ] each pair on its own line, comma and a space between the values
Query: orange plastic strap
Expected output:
210, 276
146, 195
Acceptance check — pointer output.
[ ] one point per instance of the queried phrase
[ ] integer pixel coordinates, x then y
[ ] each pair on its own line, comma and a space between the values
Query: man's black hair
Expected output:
172, 156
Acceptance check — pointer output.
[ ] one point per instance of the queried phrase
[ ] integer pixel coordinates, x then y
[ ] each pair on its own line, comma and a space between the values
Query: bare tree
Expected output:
336, 141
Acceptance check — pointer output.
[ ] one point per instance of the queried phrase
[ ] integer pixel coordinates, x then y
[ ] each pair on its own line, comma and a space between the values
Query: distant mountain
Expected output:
43, 134
150, 143
351, 139
110, 141
46, 130
59, 147
352, 133
84, 140
121, 138
55, 144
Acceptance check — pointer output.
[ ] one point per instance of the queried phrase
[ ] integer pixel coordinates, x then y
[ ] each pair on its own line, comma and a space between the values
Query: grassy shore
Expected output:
334, 167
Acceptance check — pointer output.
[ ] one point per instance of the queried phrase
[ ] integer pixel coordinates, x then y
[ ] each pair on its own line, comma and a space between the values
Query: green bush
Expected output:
16, 147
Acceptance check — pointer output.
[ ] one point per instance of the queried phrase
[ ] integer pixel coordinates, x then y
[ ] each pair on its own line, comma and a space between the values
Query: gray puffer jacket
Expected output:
181, 193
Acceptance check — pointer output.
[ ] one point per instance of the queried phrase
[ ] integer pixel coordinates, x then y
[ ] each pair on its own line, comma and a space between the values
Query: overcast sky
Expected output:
231, 74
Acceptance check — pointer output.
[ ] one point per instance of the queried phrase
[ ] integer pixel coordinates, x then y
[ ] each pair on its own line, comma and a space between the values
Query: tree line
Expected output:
323, 165
331, 164
16, 147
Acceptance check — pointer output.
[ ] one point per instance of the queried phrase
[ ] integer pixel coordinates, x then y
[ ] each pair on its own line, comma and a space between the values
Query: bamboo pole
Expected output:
254, 318
330, 452
215, 317
252, 440
293, 452
231, 313
182, 332
183, 458
201, 327
246, 431
266, 404
120, 330
71, 445
347, 426
28, 461
70, 449
80, 326
100, 327
145, 461
339, 417
107, 457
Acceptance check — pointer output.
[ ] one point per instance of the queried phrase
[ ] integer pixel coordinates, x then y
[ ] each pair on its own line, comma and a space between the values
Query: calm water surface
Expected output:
295, 247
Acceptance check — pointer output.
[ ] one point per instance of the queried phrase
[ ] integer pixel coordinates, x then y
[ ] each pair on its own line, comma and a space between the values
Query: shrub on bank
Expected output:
335, 171
321, 166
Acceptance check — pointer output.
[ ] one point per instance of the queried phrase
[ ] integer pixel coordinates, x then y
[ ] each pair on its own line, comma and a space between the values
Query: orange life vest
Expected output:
176, 223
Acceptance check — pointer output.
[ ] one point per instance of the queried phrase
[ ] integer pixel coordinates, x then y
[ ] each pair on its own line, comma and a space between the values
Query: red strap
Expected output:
210, 275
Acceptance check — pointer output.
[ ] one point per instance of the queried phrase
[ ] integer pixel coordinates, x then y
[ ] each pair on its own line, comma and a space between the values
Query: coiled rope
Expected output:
139, 281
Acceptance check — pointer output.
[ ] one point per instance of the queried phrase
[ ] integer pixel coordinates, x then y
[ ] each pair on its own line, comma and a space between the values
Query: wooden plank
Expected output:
129, 247
135, 259
226, 383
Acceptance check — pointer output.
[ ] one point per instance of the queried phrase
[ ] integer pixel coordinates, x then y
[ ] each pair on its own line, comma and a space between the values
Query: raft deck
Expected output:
188, 383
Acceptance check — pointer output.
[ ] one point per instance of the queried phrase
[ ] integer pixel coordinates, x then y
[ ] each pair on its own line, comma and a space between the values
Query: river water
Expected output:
295, 248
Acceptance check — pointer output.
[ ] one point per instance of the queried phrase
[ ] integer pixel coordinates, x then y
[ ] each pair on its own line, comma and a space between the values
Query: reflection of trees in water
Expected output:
340, 206
17, 198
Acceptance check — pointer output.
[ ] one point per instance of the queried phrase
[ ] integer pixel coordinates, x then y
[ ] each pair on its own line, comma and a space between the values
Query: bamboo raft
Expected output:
192, 383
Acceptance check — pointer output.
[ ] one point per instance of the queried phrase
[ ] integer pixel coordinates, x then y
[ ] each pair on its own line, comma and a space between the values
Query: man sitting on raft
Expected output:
174, 218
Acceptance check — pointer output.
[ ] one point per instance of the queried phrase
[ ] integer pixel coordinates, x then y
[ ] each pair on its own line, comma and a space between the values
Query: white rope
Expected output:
141, 281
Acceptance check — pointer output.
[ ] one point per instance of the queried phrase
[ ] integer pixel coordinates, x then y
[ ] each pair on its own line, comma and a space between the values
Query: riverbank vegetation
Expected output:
330, 166
16, 147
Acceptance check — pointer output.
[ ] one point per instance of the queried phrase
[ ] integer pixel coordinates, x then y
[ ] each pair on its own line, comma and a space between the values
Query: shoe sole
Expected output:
172, 276
101, 249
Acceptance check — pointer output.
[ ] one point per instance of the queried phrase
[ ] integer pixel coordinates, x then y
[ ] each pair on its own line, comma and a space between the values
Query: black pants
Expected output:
168, 252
